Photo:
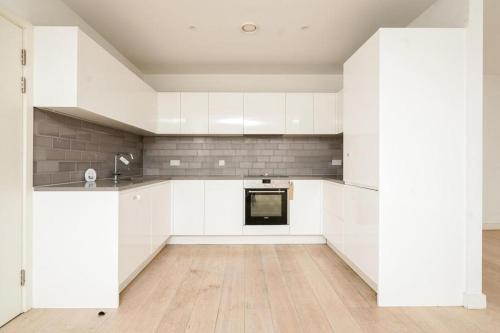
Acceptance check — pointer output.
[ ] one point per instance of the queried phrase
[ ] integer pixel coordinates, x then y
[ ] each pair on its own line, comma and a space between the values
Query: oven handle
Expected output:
268, 191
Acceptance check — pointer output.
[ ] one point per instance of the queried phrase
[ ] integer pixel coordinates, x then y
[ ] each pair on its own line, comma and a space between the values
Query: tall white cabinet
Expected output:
404, 112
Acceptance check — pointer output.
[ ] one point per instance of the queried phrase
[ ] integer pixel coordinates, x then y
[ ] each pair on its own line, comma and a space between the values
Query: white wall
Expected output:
491, 189
443, 14
245, 82
56, 12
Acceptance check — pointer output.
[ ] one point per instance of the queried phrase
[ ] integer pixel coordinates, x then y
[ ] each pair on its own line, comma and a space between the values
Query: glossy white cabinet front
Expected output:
134, 231
169, 113
333, 219
225, 113
361, 229
194, 113
224, 207
325, 113
306, 207
161, 213
188, 207
299, 113
264, 113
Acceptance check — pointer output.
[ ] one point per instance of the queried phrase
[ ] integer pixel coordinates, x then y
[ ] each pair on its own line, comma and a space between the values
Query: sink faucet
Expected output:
121, 157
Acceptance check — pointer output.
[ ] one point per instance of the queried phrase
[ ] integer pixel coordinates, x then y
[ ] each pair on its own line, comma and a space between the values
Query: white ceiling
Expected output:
155, 34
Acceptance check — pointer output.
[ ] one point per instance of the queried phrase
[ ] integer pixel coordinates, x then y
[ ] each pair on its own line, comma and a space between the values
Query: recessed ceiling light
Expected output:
248, 27
192, 27
304, 27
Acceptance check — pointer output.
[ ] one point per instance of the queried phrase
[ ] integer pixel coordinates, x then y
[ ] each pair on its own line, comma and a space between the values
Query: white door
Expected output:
224, 208
325, 113
189, 207
11, 209
169, 113
225, 113
306, 208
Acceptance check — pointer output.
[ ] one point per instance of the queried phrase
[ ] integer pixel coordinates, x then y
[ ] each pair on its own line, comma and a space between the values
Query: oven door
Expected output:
266, 206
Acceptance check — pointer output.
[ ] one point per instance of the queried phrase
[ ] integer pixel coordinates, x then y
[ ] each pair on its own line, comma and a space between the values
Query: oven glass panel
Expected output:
262, 205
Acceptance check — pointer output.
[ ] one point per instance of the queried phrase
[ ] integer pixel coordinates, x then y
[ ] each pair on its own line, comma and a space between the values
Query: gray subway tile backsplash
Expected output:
64, 147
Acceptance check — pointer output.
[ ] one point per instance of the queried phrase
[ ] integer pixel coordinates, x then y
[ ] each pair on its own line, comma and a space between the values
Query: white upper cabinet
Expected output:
194, 113
325, 113
264, 113
299, 113
225, 113
339, 112
74, 75
169, 113
361, 115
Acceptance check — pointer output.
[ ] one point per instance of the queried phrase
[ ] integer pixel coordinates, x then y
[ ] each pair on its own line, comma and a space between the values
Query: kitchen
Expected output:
249, 190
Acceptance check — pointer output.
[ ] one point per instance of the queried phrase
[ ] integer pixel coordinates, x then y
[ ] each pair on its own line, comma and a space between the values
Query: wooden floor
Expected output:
264, 288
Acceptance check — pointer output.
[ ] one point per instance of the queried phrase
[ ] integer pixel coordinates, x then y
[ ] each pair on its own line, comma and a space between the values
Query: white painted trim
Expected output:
475, 301
491, 225
261, 239
355, 268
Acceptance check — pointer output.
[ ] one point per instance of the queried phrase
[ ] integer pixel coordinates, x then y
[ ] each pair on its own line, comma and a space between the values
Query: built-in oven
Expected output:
266, 201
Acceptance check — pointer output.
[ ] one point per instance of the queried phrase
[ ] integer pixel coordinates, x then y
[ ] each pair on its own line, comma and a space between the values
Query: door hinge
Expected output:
23, 85
23, 277
23, 57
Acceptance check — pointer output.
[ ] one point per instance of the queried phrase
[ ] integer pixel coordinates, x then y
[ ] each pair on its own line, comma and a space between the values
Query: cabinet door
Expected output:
340, 112
306, 208
299, 113
161, 214
194, 113
264, 113
224, 207
134, 231
333, 209
169, 113
188, 207
325, 105
361, 116
361, 229
225, 113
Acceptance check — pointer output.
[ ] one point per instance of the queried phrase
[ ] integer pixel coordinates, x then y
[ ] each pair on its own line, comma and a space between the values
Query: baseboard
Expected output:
246, 239
372, 284
475, 301
491, 226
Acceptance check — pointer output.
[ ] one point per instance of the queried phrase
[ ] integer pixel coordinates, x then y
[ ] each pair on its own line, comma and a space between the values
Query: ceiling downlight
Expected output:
249, 27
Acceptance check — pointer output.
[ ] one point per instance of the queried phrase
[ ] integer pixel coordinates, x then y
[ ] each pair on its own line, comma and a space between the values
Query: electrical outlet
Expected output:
175, 162
222, 163
336, 162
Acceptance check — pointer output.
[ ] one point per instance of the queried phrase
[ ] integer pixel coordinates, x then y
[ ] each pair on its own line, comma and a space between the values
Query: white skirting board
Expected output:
491, 226
355, 268
279, 239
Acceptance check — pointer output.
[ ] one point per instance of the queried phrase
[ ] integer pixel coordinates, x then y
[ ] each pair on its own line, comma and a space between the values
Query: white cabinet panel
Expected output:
169, 113
361, 116
225, 113
306, 208
325, 113
299, 113
224, 207
339, 112
134, 231
188, 207
194, 113
333, 219
361, 229
161, 214
264, 113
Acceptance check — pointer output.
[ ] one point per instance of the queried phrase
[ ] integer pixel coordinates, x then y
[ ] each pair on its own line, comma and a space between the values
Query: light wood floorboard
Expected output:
263, 288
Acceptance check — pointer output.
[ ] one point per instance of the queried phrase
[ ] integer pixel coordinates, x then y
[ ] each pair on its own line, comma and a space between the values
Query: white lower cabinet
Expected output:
224, 207
333, 210
161, 212
188, 207
306, 208
134, 231
361, 229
